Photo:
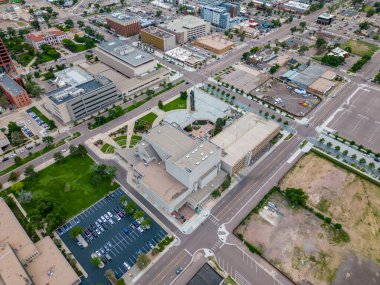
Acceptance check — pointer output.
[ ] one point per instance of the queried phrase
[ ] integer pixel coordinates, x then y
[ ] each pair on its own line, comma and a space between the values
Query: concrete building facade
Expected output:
187, 28
158, 38
243, 140
72, 103
217, 16
183, 166
215, 44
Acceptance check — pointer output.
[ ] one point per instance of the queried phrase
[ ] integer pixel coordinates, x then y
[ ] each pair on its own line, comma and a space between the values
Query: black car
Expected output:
5, 159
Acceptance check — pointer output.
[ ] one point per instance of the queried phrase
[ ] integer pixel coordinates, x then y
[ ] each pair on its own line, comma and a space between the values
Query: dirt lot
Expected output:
296, 104
307, 249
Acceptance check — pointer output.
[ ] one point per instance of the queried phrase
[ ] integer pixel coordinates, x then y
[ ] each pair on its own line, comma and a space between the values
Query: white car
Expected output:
106, 216
109, 214
63, 150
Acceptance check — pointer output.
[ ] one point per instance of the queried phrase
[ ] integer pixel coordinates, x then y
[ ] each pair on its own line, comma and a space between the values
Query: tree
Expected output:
58, 156
371, 165
362, 161
29, 171
142, 261
354, 156
332, 60
274, 68
48, 140
158, 13
296, 197
215, 193
69, 23
138, 215
303, 48
76, 231
160, 105
337, 148
345, 152
95, 261
329, 144
146, 223
13, 127
18, 160
293, 29
303, 25
183, 95
79, 150
320, 42
80, 24
17, 186
130, 208
13, 176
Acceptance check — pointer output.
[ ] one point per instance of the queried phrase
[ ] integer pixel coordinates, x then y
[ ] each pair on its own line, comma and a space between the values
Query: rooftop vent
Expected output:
197, 163
187, 156
202, 153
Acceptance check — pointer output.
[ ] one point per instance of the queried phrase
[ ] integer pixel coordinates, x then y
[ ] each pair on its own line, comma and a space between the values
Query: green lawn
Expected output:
121, 141
134, 141
68, 184
360, 48
107, 148
145, 123
176, 104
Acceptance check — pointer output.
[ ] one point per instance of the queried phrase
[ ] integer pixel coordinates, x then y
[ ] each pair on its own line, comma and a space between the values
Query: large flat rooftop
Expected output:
244, 135
12, 232
121, 17
168, 187
66, 94
215, 42
8, 84
184, 23
126, 53
158, 32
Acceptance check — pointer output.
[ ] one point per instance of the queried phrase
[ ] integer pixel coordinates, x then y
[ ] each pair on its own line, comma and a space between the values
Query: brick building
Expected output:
124, 25
14, 92
6, 64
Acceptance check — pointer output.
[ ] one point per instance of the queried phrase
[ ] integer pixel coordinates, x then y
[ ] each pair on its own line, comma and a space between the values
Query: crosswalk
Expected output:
217, 245
214, 220
240, 279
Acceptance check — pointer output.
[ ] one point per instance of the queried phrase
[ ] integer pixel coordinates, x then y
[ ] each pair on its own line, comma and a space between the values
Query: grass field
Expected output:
360, 48
68, 184
121, 141
107, 148
134, 141
175, 104
145, 123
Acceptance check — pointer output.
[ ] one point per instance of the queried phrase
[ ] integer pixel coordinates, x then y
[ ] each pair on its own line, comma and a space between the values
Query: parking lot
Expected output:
280, 94
360, 119
120, 240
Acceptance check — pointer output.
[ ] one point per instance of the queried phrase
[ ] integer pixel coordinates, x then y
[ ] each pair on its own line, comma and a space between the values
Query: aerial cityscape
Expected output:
190, 142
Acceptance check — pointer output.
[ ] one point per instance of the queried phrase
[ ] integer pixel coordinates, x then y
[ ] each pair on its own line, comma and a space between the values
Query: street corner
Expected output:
208, 253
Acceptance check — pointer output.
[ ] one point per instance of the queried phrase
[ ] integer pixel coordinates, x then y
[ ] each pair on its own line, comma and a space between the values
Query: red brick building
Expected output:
6, 64
124, 25
14, 92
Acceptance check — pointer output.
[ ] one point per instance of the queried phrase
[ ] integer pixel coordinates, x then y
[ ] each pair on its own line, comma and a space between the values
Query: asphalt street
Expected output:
233, 257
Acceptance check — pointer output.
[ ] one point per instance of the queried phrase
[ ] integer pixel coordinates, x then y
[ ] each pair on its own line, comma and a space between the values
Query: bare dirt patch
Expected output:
302, 245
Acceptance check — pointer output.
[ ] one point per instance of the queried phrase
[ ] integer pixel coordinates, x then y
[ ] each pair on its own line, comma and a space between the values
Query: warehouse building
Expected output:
187, 28
188, 169
123, 24
243, 140
295, 7
158, 38
25, 262
325, 19
215, 44
74, 102
185, 57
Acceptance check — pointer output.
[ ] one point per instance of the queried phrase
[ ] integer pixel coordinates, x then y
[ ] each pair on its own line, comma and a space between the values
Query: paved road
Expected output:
245, 267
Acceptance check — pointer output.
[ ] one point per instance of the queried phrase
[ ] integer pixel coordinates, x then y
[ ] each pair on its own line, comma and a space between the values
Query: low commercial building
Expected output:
243, 140
295, 7
184, 166
306, 77
123, 24
262, 56
4, 142
52, 36
23, 262
158, 38
325, 19
187, 28
14, 92
215, 44
16, 13
185, 57
321, 86
206, 275
74, 102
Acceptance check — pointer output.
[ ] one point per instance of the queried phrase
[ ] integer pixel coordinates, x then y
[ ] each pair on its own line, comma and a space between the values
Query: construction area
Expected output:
306, 248
296, 101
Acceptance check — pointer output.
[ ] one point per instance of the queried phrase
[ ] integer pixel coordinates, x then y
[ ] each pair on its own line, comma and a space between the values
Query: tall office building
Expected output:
217, 16
6, 64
